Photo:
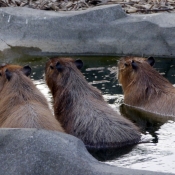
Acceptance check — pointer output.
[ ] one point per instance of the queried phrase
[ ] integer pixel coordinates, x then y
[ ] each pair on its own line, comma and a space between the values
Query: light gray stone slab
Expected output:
102, 30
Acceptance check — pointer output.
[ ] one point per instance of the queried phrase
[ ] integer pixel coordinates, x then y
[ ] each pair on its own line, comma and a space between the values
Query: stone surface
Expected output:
103, 30
32, 151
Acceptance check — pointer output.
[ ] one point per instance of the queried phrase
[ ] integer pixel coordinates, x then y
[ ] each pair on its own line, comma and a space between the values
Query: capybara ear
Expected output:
134, 65
79, 63
59, 67
27, 70
8, 74
151, 61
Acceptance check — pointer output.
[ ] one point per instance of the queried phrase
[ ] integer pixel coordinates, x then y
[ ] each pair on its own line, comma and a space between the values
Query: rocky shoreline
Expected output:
102, 30
129, 6
32, 151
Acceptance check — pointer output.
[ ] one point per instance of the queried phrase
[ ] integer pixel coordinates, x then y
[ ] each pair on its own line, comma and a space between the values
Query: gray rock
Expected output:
41, 152
103, 30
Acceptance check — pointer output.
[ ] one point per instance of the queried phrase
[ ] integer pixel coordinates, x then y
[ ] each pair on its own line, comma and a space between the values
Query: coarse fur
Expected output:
22, 105
82, 110
144, 87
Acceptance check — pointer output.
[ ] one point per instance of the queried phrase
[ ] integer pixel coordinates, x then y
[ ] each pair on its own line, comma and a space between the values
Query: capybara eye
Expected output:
51, 67
126, 64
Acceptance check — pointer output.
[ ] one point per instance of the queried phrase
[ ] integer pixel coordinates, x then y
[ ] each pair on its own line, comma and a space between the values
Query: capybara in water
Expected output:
144, 87
82, 110
22, 105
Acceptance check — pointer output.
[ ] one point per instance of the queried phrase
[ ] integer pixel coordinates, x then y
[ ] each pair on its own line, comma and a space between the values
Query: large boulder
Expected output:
103, 30
32, 151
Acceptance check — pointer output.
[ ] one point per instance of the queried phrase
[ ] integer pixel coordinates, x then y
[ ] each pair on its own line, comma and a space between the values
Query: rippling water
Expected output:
159, 155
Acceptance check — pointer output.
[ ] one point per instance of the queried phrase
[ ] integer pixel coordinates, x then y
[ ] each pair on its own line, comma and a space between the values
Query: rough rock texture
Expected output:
31, 151
101, 30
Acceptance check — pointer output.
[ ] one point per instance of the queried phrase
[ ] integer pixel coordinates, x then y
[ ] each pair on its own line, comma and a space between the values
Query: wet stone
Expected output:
32, 151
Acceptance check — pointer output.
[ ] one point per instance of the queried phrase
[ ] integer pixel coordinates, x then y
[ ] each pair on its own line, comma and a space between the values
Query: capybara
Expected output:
22, 105
144, 87
82, 110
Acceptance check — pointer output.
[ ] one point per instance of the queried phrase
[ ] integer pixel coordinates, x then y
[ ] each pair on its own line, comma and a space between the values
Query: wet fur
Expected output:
82, 110
144, 87
21, 104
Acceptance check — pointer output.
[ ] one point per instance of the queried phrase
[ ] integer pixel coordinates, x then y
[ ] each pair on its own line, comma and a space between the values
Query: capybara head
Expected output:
58, 68
140, 81
129, 68
8, 72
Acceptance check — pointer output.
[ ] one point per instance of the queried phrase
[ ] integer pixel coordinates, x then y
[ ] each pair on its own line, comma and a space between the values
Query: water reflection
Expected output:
152, 156
110, 154
40, 84
147, 121
159, 154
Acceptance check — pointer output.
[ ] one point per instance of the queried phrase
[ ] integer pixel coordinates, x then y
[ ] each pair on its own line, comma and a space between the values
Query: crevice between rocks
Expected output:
6, 43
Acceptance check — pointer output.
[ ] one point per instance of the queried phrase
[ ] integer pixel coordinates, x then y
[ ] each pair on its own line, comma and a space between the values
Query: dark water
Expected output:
159, 154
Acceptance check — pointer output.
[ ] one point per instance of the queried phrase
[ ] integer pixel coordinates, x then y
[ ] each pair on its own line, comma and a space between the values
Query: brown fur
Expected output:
21, 104
82, 110
144, 87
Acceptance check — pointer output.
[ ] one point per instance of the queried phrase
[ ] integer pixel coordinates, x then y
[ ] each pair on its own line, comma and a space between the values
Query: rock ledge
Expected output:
102, 30
32, 151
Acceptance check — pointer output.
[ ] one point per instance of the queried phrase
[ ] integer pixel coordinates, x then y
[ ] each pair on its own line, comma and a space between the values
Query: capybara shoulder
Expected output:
22, 105
144, 87
81, 109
